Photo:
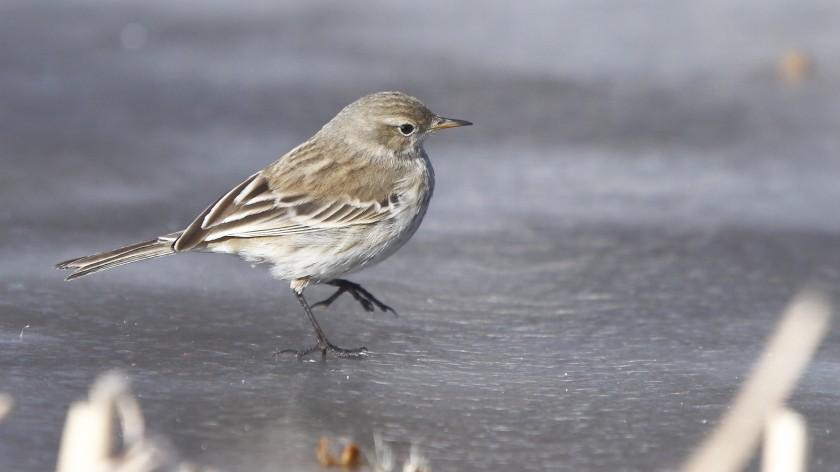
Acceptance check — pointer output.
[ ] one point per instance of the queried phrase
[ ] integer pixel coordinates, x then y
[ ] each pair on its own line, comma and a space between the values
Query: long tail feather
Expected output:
125, 255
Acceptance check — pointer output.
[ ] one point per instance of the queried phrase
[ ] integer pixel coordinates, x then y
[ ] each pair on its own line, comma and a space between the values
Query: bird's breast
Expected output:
410, 200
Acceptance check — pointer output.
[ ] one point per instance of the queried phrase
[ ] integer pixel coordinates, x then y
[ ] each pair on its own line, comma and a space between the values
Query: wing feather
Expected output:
253, 209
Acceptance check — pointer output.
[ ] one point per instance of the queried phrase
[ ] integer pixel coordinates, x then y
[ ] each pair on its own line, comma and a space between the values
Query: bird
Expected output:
343, 200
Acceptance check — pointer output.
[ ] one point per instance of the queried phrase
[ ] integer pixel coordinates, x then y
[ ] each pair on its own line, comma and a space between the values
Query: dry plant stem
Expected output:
770, 382
88, 437
785, 442
90, 440
6, 405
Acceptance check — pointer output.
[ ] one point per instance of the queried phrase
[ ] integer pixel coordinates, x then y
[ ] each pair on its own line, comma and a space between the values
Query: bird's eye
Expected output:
406, 129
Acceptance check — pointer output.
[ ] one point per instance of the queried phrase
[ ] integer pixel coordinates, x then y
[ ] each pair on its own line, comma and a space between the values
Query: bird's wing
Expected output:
254, 209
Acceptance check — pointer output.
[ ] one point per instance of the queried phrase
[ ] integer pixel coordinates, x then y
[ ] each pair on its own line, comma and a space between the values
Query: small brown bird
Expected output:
347, 198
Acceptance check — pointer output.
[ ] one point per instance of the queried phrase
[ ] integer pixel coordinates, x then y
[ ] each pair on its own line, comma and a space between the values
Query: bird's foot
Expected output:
325, 347
365, 298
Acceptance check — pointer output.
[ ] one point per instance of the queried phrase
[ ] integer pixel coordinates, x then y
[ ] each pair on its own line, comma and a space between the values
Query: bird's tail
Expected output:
82, 266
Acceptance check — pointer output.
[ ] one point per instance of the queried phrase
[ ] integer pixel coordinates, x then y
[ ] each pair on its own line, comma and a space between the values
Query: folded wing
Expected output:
253, 209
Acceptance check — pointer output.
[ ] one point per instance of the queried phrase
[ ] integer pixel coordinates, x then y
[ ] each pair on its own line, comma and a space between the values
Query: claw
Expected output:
363, 297
324, 348
323, 345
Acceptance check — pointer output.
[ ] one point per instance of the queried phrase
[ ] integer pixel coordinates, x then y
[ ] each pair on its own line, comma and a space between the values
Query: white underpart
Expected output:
328, 252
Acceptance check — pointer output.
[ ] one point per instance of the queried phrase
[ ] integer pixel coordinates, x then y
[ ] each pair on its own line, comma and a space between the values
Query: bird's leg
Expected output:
365, 298
323, 345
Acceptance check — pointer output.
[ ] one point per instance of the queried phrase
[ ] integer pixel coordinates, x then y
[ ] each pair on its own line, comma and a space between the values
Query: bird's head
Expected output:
388, 122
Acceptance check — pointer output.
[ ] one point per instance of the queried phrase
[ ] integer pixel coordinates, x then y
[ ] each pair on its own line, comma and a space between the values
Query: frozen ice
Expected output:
607, 250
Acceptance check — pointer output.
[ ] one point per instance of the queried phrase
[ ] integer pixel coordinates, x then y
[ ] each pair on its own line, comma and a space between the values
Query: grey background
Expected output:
606, 252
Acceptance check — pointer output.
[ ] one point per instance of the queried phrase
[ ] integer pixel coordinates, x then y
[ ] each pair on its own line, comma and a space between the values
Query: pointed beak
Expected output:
440, 122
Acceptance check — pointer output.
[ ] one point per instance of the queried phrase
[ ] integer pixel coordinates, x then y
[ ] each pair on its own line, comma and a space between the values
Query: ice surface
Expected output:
606, 252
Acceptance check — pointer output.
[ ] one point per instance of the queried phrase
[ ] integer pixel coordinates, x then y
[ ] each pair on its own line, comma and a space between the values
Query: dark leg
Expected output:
365, 298
323, 345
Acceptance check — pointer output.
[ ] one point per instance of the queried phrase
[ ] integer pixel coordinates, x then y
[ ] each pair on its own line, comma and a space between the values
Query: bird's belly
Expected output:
327, 254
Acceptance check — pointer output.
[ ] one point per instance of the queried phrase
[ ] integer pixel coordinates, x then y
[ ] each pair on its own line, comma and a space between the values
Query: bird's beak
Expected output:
440, 122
